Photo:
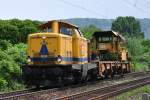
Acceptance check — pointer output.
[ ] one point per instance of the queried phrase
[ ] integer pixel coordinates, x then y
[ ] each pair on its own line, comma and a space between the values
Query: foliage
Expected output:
146, 55
134, 46
89, 30
139, 51
128, 26
10, 60
5, 44
12, 51
17, 30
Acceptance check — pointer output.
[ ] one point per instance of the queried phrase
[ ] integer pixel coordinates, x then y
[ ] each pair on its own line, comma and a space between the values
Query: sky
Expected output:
64, 9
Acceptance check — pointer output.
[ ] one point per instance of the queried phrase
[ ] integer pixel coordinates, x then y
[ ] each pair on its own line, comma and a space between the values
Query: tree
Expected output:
89, 30
25, 27
24, 31
9, 32
128, 26
16, 30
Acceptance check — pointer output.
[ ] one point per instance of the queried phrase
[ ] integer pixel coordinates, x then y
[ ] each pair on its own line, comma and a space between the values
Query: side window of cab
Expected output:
66, 31
48, 29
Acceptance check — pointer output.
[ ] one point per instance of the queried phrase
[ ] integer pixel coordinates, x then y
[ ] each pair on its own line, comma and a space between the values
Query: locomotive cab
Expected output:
108, 45
55, 44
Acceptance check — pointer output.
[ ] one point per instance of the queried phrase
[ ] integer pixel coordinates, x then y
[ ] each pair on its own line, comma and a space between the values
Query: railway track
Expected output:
2, 95
136, 74
107, 92
28, 95
75, 92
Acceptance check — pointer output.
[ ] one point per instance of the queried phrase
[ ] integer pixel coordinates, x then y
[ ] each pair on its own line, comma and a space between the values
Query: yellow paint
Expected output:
123, 55
115, 46
55, 27
35, 42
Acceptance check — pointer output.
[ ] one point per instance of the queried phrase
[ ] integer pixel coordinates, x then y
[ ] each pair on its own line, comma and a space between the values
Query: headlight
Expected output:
43, 37
29, 59
59, 59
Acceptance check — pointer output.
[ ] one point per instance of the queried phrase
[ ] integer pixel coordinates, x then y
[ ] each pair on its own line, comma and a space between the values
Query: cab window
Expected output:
105, 39
115, 39
48, 29
66, 31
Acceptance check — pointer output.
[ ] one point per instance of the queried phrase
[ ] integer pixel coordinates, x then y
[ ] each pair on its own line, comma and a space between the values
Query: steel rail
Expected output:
106, 92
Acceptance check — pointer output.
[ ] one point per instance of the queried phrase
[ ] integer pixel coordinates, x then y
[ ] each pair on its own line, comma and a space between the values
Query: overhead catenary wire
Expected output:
147, 1
136, 1
83, 8
137, 7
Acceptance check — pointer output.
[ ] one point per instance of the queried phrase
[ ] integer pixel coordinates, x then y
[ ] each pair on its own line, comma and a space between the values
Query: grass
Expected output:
14, 87
133, 94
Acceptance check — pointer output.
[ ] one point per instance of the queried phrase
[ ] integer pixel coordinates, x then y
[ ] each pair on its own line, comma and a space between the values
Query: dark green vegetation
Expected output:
13, 36
128, 26
16, 31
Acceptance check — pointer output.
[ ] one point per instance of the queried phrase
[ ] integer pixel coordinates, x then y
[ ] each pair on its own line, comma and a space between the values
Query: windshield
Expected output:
105, 39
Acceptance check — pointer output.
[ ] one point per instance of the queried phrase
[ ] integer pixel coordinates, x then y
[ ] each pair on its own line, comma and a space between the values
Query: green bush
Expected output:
10, 62
139, 51
89, 30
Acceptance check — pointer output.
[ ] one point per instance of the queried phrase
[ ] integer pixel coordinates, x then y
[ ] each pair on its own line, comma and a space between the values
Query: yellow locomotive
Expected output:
59, 53
107, 51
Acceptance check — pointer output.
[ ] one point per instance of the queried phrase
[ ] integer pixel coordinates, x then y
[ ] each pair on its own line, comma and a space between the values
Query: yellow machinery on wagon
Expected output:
107, 49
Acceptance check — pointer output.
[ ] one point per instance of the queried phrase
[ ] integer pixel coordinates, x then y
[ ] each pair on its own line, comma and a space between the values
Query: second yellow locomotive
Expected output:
108, 51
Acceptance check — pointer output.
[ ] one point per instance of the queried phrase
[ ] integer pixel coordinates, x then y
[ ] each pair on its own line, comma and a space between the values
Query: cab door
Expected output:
68, 49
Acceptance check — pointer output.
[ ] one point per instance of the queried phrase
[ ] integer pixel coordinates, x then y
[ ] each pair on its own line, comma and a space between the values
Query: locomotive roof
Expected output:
62, 23
108, 33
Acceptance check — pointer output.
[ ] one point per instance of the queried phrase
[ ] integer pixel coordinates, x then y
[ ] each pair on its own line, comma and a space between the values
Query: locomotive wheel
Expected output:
61, 82
106, 75
120, 71
77, 77
112, 75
